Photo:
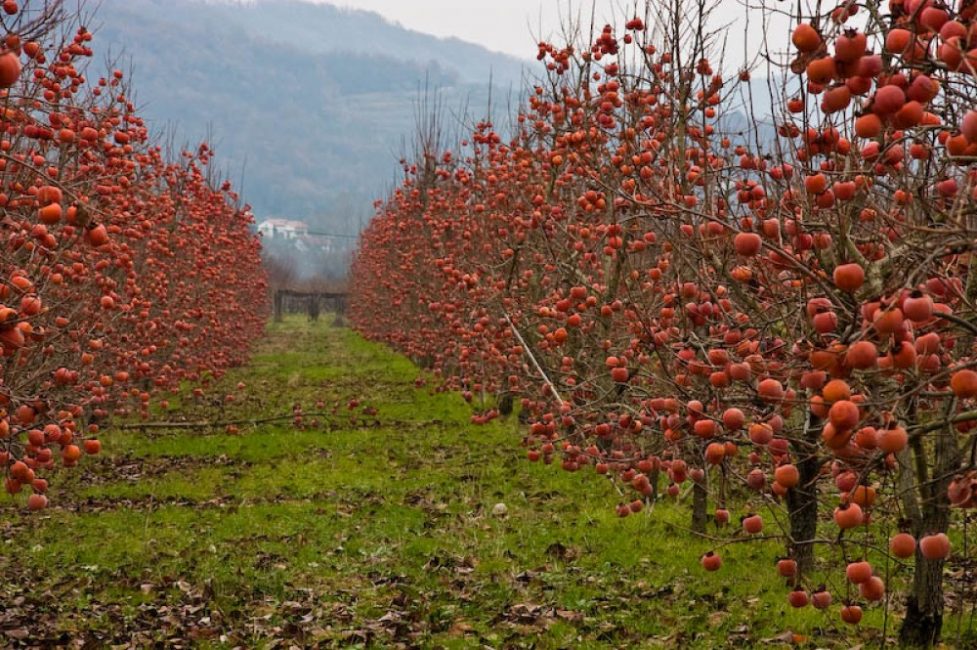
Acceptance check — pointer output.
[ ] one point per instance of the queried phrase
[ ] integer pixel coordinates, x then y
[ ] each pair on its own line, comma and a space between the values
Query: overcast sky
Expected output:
511, 26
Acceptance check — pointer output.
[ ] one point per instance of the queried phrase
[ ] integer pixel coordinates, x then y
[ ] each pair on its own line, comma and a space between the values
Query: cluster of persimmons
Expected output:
122, 273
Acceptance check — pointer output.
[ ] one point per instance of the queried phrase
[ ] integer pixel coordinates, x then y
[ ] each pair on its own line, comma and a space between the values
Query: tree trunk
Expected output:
699, 495
505, 404
802, 503
279, 296
924, 608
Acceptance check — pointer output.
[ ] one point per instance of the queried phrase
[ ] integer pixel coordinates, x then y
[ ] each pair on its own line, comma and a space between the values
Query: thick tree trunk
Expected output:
802, 504
924, 608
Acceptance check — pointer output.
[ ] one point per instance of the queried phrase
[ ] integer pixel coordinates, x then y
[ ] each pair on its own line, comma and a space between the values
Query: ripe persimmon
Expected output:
9, 69
805, 38
849, 277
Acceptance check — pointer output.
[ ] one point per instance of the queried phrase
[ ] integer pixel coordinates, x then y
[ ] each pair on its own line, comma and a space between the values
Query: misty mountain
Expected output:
310, 102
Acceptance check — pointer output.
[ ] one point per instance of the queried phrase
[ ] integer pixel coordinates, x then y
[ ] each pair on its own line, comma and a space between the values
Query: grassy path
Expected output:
378, 527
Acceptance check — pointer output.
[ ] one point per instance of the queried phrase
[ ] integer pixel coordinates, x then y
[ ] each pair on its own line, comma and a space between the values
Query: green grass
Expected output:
368, 531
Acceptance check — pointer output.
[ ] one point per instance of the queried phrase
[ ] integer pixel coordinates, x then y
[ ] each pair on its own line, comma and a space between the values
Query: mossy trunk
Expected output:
923, 623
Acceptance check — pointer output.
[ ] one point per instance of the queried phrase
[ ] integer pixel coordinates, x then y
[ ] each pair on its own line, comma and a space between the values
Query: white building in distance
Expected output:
282, 228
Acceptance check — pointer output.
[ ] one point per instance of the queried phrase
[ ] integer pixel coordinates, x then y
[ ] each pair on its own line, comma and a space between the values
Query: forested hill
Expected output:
312, 101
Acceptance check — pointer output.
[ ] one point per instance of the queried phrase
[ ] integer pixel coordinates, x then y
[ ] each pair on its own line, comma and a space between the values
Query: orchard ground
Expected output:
378, 527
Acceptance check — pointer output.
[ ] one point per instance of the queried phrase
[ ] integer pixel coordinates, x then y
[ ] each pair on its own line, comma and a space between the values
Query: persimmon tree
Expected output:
782, 317
121, 273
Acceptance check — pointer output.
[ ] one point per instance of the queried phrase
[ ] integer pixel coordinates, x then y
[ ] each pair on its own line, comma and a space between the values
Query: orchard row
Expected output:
122, 272
779, 312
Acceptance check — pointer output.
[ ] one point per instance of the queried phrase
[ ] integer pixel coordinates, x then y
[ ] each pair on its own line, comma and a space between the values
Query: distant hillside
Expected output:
326, 29
311, 100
